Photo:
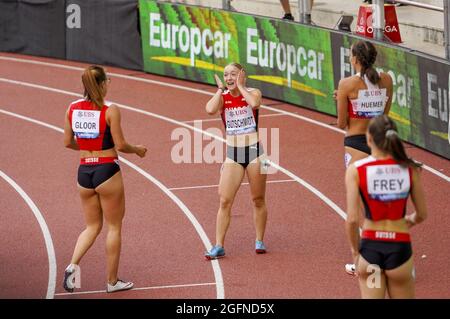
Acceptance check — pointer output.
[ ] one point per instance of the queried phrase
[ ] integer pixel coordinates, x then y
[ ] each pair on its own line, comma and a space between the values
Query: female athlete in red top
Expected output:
93, 128
361, 97
238, 106
384, 181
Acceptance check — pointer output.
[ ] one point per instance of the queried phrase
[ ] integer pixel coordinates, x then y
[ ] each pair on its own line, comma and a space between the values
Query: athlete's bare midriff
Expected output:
357, 126
101, 153
242, 140
398, 225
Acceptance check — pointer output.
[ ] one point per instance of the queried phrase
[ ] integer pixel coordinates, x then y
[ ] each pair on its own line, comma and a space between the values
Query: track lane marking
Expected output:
220, 288
302, 182
45, 231
134, 78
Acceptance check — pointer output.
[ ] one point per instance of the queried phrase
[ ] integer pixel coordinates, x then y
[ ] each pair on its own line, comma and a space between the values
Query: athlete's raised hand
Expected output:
219, 82
241, 79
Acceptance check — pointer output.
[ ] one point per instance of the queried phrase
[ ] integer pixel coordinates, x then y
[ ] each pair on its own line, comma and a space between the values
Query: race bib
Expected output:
86, 124
240, 120
388, 182
370, 103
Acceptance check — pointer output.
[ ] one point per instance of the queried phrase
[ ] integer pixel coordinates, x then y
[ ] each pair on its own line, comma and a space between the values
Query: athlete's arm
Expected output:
418, 199
69, 139
352, 222
113, 120
387, 83
253, 97
216, 102
342, 104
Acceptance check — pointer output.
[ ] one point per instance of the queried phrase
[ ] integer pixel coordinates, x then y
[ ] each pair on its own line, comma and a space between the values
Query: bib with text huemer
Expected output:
86, 124
388, 182
370, 103
240, 120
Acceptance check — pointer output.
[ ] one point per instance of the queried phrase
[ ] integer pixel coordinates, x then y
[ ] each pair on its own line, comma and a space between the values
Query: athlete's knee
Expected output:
95, 229
259, 201
114, 228
225, 202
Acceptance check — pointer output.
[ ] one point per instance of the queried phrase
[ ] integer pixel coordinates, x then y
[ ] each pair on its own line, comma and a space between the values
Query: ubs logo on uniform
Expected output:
80, 114
379, 171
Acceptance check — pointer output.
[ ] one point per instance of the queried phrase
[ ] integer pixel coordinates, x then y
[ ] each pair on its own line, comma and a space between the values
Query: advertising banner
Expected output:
286, 61
291, 62
434, 111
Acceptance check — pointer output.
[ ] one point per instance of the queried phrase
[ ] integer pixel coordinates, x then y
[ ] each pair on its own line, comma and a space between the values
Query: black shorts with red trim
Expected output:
94, 171
388, 250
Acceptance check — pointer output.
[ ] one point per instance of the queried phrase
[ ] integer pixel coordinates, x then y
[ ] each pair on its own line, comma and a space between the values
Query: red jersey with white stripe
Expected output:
370, 102
89, 126
384, 186
237, 116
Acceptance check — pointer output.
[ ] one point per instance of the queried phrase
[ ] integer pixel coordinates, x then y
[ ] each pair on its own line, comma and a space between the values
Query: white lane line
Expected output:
141, 288
217, 185
134, 78
219, 119
45, 231
220, 288
315, 191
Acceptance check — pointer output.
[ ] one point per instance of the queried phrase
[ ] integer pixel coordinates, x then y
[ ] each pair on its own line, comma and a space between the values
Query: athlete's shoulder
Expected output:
348, 82
253, 90
386, 79
364, 161
76, 102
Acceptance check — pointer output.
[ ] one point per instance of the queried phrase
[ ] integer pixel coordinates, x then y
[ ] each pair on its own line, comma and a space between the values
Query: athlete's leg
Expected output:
372, 280
400, 281
352, 155
112, 200
230, 180
257, 180
94, 221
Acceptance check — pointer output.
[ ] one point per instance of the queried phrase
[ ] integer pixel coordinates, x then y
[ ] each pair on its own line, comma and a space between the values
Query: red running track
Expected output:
171, 208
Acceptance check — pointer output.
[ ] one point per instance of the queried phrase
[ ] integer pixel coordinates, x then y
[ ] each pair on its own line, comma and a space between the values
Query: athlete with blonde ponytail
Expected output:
384, 181
93, 128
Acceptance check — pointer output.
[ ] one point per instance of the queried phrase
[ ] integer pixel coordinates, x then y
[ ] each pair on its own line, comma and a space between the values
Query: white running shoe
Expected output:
72, 277
119, 286
350, 269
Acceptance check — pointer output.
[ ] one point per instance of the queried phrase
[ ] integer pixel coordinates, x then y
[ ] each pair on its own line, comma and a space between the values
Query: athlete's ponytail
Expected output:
366, 54
93, 77
384, 135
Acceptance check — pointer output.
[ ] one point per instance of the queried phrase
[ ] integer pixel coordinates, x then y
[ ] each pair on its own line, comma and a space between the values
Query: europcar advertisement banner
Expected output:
286, 61
295, 63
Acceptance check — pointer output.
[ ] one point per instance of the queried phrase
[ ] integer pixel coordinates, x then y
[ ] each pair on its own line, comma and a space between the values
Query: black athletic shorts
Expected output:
245, 155
387, 255
91, 176
358, 142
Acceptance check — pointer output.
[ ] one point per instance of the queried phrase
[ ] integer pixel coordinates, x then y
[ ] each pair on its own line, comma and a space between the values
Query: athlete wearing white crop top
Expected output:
361, 97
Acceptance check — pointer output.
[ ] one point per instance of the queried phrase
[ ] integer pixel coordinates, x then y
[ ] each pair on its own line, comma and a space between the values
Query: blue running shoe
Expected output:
215, 253
259, 247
